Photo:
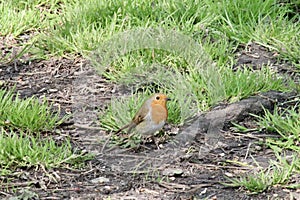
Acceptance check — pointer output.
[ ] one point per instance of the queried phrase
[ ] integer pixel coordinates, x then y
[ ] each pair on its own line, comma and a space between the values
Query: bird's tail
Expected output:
129, 126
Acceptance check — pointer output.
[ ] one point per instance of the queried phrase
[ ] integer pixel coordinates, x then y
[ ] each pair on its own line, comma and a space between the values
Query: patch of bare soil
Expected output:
190, 165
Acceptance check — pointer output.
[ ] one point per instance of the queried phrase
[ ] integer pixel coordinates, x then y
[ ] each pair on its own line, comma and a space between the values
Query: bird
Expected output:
151, 117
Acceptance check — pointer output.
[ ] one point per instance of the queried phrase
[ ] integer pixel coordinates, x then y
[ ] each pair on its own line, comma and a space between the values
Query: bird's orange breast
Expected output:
159, 113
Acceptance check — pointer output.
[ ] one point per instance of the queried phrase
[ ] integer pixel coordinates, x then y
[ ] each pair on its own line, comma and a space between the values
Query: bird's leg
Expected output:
156, 142
143, 143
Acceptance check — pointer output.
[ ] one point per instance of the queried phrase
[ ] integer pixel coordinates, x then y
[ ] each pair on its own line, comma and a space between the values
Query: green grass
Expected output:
80, 26
24, 151
20, 17
246, 82
286, 123
88, 24
278, 173
265, 22
22, 122
28, 115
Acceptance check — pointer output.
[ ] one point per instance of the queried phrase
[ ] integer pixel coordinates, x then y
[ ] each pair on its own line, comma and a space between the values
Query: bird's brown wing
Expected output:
141, 114
137, 119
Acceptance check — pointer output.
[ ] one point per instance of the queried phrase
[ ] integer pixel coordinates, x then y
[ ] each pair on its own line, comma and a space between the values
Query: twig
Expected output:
257, 136
23, 184
210, 166
136, 156
61, 101
106, 142
197, 187
33, 73
89, 171
245, 135
247, 152
173, 185
87, 127
4, 193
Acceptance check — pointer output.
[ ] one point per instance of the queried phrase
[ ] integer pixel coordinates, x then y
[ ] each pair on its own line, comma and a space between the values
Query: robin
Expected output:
151, 117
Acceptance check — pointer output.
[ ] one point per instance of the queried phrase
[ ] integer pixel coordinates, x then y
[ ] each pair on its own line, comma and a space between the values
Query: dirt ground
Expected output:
190, 165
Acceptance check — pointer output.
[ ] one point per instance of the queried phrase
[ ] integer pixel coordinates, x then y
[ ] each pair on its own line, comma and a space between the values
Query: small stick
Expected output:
105, 143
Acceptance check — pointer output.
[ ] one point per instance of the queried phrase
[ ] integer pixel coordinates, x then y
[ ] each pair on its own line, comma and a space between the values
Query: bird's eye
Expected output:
157, 98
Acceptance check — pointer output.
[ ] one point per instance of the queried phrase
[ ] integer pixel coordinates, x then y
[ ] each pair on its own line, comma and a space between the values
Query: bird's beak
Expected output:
168, 99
